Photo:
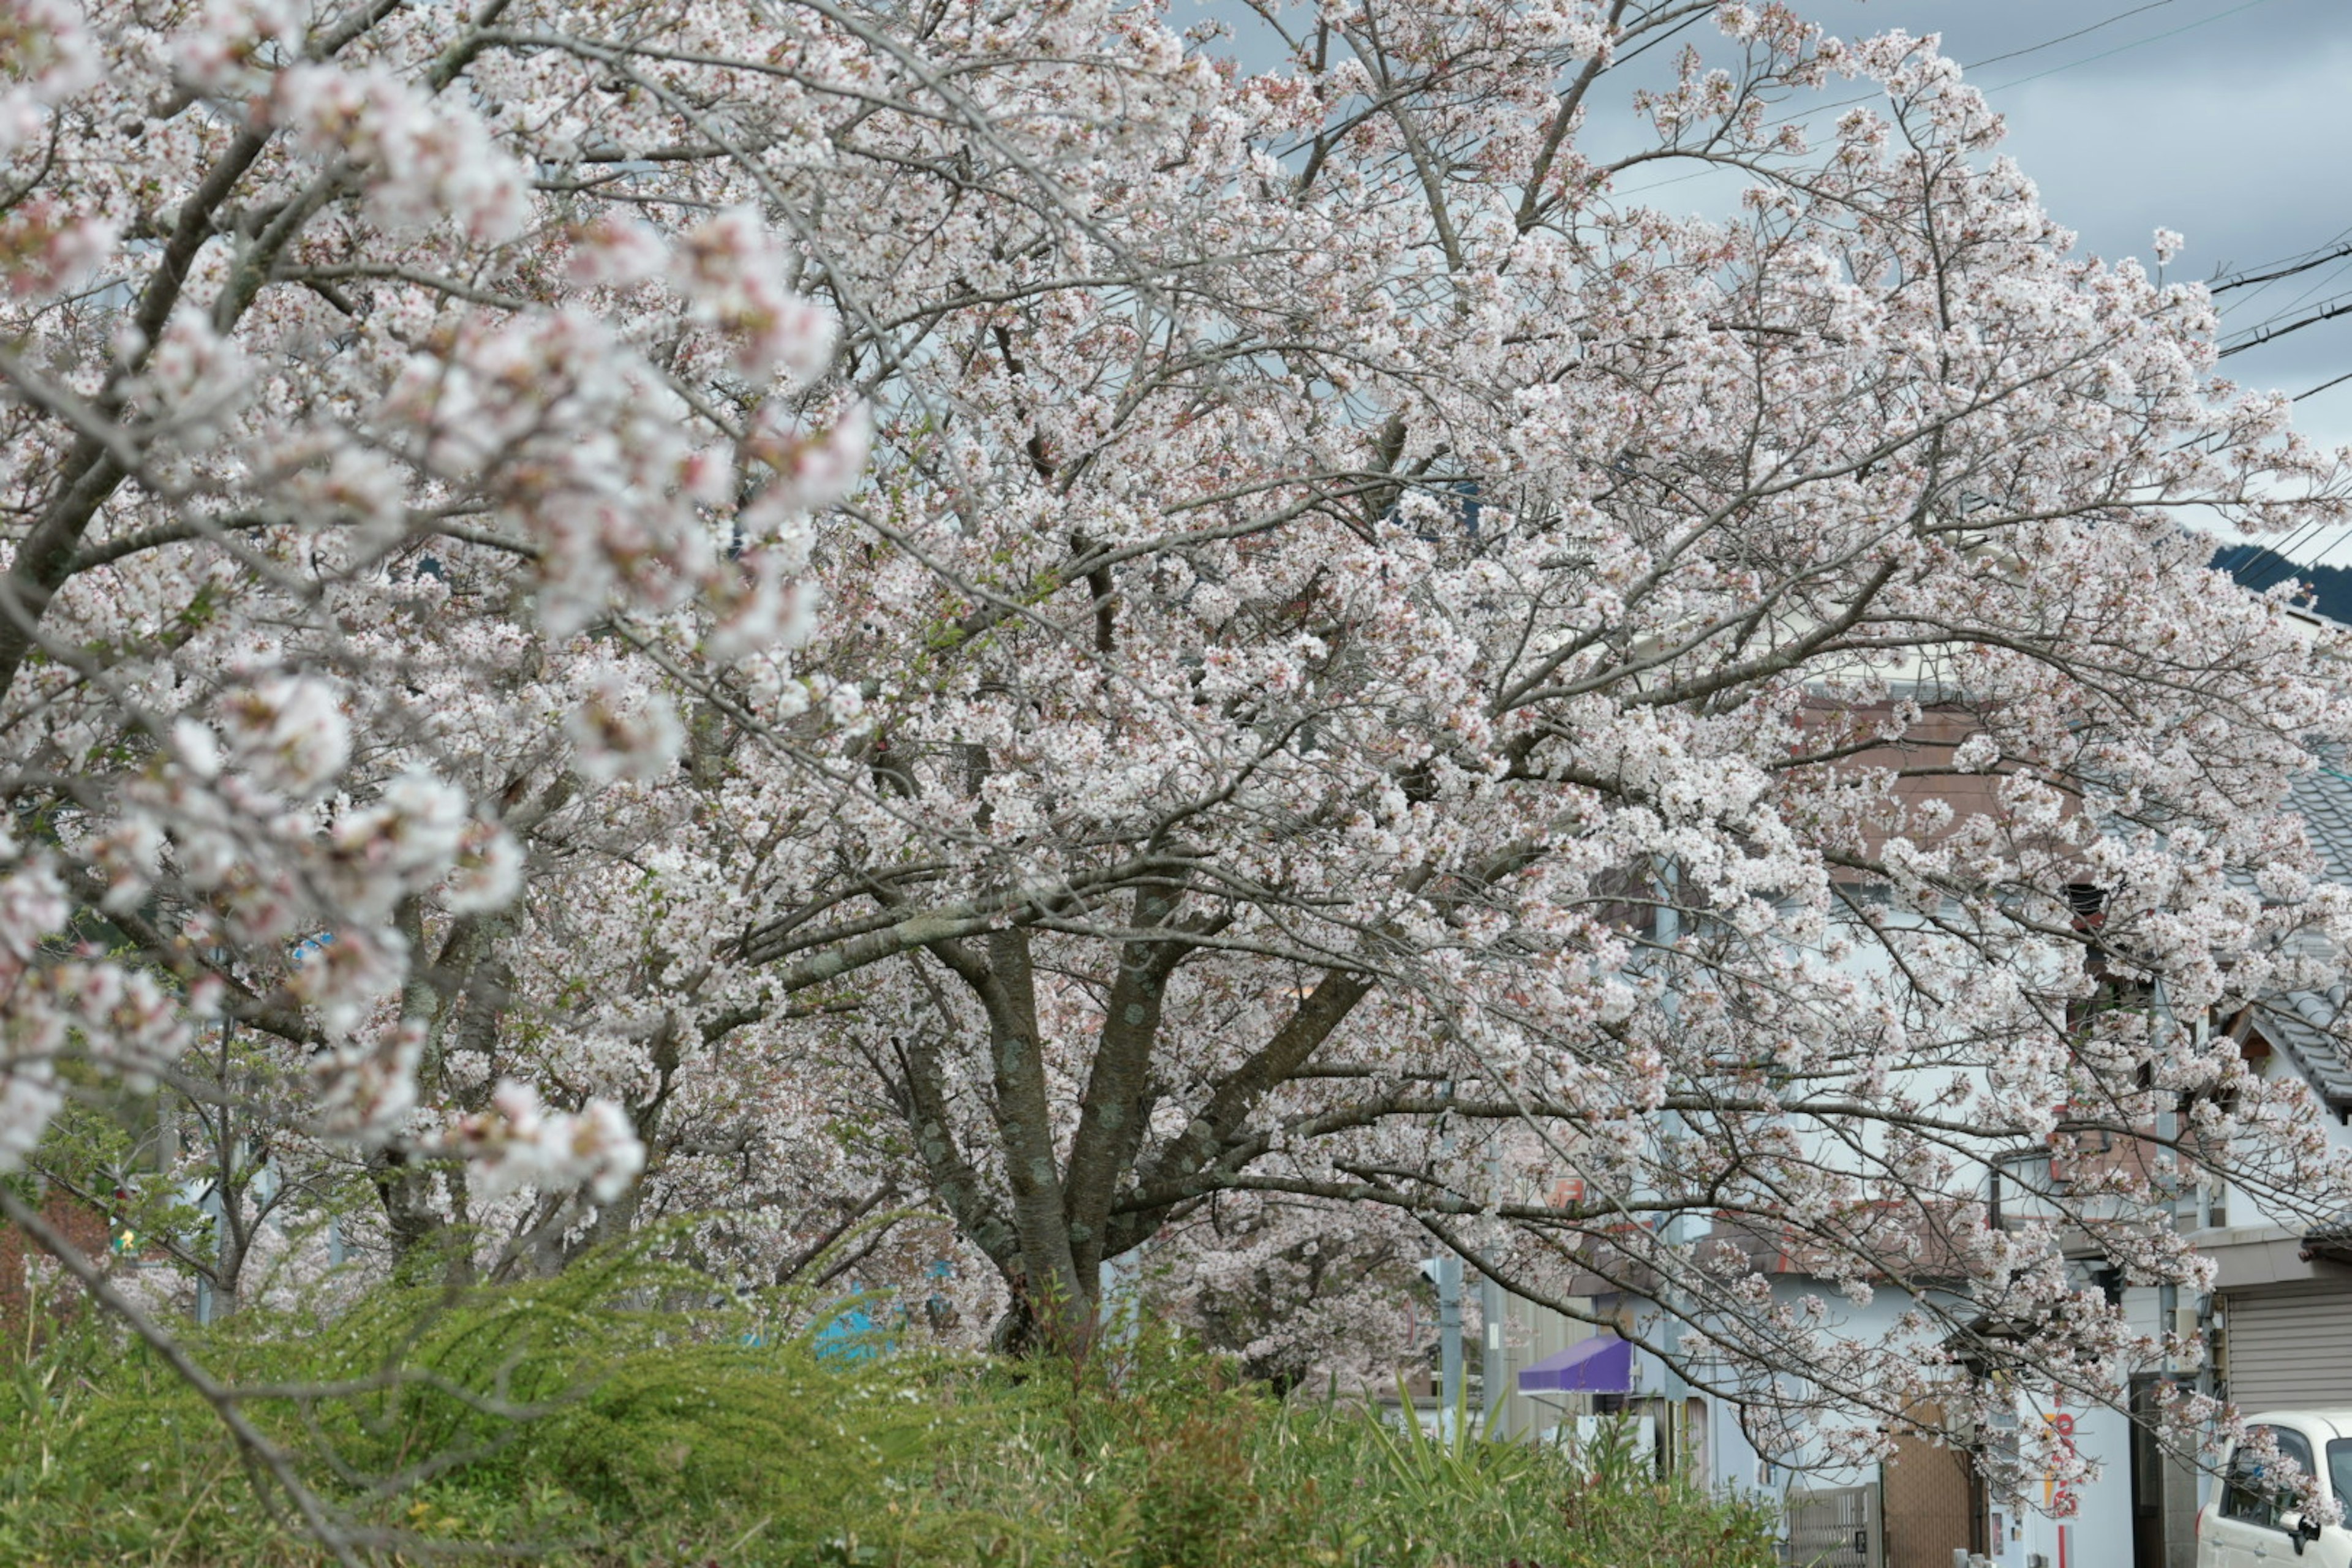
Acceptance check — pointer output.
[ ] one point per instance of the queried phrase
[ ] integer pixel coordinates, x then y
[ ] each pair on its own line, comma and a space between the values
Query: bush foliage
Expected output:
611, 1416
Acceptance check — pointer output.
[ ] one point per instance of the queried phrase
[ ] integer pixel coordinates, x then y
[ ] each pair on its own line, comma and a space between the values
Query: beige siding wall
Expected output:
2290, 1348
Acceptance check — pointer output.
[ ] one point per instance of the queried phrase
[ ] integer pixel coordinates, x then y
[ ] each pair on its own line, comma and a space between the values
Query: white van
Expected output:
2248, 1525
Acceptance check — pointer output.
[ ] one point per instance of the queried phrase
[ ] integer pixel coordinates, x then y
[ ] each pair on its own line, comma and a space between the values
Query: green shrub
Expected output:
613, 1416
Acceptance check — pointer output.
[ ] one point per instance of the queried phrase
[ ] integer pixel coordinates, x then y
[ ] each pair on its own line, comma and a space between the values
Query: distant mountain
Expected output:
2330, 586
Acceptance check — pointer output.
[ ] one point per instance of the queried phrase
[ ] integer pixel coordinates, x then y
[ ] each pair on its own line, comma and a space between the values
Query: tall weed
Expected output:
622, 1414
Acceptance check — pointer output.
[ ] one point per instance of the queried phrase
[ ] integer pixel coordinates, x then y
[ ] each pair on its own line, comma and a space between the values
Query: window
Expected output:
2243, 1500
2339, 1472
2258, 1499
2293, 1446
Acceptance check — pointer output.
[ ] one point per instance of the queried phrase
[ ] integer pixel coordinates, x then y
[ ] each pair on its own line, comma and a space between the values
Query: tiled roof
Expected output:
2324, 799
2331, 1240
2304, 1025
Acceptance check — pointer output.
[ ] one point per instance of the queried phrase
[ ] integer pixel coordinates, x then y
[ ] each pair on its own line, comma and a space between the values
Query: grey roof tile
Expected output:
2323, 797
2304, 1025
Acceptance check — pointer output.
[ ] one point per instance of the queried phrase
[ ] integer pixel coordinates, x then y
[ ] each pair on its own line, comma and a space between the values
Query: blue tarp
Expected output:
1597, 1365
851, 1337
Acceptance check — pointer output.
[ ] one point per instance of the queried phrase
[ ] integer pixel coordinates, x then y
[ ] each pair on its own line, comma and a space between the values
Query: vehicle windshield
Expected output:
2339, 1473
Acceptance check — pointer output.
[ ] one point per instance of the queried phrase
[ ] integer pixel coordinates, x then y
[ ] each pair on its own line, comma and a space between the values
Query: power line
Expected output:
2319, 256
2322, 386
1977, 65
2291, 317
2326, 287
2267, 334
2054, 43
2245, 570
2069, 38
2289, 270
2135, 43
1679, 27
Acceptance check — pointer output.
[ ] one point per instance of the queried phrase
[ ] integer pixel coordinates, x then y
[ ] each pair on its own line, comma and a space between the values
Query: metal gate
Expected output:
1836, 1527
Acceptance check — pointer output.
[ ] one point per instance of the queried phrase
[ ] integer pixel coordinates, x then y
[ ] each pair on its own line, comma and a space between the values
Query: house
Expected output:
2276, 1331
2282, 1317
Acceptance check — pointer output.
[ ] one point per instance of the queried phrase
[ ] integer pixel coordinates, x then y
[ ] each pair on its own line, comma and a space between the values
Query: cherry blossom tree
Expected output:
872, 606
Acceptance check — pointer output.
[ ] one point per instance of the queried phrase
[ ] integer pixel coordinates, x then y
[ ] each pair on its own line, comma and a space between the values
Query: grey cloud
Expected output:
2226, 121
2170, 40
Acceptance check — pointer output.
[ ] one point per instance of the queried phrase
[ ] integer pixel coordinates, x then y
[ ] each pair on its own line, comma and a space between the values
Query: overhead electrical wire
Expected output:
2070, 37
1994, 59
2329, 258
2135, 43
2287, 269
2054, 43
2328, 284
1679, 27
2245, 571
2265, 332
2322, 386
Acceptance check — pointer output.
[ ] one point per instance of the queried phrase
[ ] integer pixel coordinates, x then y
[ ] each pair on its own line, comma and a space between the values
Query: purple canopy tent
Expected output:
1602, 1365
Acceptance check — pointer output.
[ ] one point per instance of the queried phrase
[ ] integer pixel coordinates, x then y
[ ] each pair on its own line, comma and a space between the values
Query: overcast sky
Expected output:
2229, 121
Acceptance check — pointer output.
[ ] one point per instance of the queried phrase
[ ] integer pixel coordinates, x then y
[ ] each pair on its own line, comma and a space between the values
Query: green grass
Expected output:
590, 1422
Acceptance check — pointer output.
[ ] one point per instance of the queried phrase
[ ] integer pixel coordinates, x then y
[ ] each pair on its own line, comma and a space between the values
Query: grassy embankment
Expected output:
569, 1420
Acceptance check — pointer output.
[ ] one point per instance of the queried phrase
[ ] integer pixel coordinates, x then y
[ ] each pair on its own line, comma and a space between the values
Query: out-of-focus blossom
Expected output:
623, 735
427, 160
732, 267
520, 1142
288, 734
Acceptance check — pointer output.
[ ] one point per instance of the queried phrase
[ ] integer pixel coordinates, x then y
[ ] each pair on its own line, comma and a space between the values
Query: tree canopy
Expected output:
795, 608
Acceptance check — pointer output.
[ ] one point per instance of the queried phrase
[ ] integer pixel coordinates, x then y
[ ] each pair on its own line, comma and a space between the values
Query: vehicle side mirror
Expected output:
2300, 1529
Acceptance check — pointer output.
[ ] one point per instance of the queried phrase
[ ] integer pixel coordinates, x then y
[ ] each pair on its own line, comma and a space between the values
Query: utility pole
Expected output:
1449, 1337
1448, 1265
1492, 1364
1670, 1132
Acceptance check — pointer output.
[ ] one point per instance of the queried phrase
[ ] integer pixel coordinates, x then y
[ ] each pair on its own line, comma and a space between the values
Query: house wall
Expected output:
2090, 1526
2245, 1210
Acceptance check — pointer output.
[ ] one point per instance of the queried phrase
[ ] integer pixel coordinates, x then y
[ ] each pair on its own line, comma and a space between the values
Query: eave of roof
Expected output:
2301, 1026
